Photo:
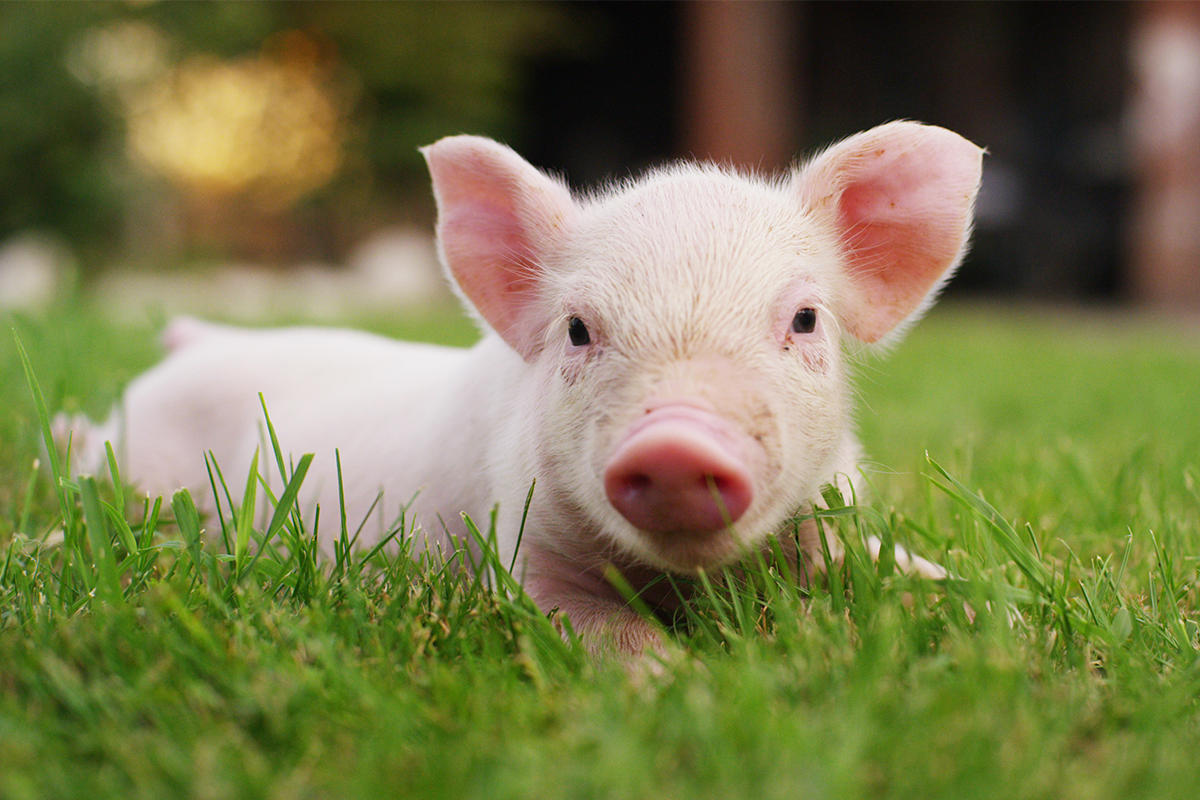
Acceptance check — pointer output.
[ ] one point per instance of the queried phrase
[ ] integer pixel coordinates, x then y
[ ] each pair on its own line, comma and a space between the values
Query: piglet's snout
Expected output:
678, 470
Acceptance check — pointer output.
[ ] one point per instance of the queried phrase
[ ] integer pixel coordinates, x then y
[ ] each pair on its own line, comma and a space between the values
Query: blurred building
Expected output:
1047, 88
288, 133
1089, 112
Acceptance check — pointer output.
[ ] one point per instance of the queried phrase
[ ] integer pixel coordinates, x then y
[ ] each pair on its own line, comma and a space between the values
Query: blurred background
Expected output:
235, 157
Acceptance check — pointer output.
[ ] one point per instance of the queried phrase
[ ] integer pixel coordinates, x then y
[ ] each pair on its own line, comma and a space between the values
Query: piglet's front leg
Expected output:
597, 611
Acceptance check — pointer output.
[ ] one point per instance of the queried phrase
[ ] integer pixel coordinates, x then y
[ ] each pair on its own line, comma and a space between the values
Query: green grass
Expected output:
1062, 486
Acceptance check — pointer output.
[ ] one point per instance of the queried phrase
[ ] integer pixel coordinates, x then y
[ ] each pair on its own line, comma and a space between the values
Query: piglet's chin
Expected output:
686, 553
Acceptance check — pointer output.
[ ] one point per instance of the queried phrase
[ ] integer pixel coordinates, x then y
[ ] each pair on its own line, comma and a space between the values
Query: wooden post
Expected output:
1165, 115
741, 97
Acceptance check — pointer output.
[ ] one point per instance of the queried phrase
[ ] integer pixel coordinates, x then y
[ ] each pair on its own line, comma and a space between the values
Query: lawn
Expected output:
1051, 460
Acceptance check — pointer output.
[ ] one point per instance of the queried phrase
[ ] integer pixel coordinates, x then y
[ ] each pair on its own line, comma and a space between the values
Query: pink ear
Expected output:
901, 196
496, 215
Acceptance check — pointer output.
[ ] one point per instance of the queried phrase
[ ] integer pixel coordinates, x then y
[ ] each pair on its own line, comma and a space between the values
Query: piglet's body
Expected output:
665, 358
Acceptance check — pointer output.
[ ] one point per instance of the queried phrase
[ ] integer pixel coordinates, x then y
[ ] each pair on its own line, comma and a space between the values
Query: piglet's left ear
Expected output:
901, 198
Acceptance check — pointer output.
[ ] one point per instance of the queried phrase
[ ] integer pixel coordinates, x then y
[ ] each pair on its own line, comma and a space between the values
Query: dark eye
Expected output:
578, 332
805, 320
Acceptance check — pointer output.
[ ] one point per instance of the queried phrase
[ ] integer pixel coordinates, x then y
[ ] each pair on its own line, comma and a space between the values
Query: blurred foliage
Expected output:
55, 135
410, 73
430, 70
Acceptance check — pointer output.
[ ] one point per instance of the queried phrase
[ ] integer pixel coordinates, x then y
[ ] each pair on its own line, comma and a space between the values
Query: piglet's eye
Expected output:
578, 332
805, 320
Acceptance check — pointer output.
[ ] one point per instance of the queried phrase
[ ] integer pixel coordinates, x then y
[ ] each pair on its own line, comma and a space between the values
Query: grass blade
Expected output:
244, 524
108, 581
187, 519
521, 531
1005, 534
39, 402
287, 500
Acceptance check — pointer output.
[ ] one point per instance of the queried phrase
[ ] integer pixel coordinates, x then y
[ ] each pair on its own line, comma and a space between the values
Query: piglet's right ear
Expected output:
497, 215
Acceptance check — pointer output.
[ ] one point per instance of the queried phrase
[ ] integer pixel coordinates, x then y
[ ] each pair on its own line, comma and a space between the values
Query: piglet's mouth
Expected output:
686, 553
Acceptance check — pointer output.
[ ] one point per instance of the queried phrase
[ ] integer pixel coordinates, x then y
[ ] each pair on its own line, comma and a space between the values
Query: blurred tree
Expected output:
56, 136
408, 73
433, 69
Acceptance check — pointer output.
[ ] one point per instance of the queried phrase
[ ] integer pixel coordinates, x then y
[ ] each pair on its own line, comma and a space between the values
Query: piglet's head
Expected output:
684, 330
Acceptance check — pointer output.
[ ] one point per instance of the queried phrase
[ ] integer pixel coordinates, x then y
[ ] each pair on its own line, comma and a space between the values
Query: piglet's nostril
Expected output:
637, 482
675, 475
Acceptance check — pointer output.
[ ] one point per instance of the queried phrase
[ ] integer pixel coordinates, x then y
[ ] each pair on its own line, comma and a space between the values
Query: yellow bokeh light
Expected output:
272, 125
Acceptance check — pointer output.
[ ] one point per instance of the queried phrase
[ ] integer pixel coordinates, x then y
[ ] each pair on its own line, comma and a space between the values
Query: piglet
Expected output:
666, 357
